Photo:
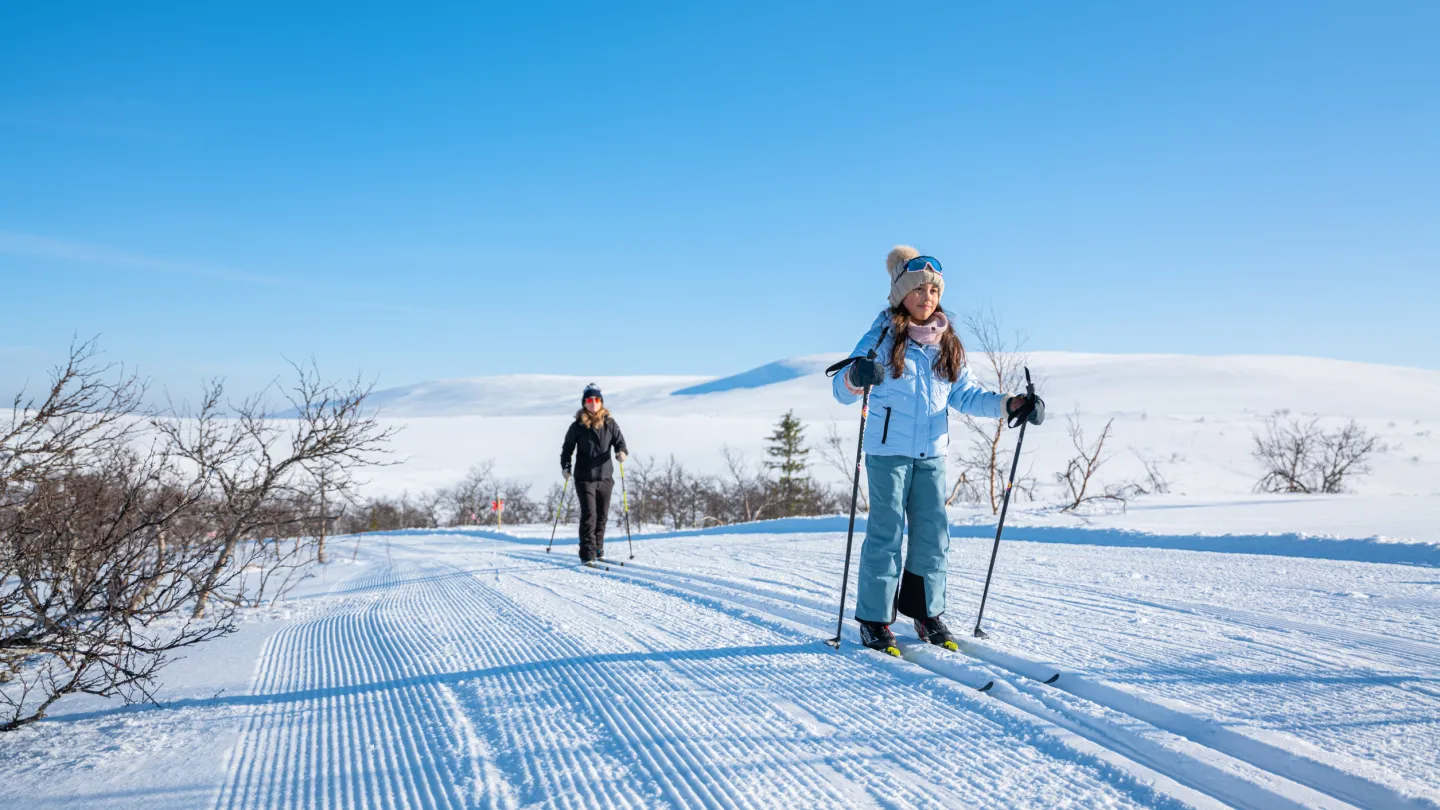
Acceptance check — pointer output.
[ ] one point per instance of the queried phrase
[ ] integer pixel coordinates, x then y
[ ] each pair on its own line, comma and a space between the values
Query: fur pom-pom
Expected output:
897, 258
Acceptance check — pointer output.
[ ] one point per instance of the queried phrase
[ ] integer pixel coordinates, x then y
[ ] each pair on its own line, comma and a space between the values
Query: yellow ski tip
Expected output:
951, 646
893, 651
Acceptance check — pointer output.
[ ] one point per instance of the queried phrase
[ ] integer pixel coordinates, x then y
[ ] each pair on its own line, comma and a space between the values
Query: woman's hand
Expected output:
620, 456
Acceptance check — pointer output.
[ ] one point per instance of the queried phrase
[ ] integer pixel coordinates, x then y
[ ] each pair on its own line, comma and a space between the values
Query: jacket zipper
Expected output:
885, 434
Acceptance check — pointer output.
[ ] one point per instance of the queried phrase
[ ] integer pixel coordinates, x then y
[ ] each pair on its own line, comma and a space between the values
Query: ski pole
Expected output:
625, 503
563, 489
1004, 507
854, 488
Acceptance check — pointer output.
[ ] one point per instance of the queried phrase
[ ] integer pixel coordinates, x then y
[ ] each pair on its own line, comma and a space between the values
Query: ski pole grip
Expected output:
1018, 418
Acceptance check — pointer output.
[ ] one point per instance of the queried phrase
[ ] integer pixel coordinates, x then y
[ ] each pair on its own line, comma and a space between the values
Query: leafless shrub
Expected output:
258, 470
468, 502
96, 572
1301, 457
1154, 481
745, 488
116, 531
975, 477
1345, 453
567, 511
379, 513
970, 480
1078, 481
996, 360
664, 494
83, 413
669, 495
519, 507
839, 455
91, 553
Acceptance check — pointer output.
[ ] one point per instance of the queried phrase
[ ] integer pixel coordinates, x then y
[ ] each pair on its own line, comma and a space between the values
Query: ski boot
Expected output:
934, 631
877, 636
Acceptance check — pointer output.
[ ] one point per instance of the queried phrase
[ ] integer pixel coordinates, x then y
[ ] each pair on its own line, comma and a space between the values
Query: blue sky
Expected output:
702, 188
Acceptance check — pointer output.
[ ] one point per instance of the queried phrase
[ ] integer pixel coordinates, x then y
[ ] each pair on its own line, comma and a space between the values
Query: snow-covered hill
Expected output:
1194, 414
1159, 384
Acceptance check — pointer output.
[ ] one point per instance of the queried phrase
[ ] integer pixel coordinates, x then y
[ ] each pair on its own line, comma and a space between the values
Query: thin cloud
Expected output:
399, 308
42, 247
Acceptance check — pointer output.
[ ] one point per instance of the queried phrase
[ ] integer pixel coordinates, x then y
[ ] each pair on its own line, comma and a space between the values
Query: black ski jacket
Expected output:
592, 449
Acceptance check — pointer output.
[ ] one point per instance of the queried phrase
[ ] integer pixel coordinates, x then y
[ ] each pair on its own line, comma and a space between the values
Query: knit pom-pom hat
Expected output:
903, 281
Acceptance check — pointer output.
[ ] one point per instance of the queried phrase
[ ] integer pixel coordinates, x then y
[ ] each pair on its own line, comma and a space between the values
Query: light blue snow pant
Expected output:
904, 489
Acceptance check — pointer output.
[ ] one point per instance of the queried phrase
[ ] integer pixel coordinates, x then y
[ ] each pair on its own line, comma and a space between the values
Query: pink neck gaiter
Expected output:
930, 333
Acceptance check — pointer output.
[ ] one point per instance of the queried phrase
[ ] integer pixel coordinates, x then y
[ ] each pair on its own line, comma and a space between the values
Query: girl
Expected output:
590, 438
918, 373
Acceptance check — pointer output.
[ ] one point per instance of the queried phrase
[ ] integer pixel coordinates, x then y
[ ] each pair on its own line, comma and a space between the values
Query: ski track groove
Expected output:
1121, 748
901, 695
670, 579
838, 709
408, 713
713, 676
366, 709
1303, 693
1397, 649
677, 761
1307, 666
569, 764
501, 655
344, 747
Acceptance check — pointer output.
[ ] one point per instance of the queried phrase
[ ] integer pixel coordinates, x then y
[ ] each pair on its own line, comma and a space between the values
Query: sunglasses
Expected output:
920, 263
594, 399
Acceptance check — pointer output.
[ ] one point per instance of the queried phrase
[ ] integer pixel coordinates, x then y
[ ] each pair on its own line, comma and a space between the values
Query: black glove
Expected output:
865, 371
1031, 409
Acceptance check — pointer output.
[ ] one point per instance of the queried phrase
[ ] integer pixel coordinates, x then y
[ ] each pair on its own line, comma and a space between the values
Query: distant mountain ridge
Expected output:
768, 374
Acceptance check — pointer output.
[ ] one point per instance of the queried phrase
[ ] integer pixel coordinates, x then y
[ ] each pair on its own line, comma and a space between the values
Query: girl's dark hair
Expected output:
952, 351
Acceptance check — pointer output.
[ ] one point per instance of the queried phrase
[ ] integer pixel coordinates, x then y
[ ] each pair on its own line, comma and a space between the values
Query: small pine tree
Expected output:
787, 449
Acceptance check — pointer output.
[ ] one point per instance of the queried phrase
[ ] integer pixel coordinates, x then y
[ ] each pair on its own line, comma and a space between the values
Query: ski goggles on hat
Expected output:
920, 264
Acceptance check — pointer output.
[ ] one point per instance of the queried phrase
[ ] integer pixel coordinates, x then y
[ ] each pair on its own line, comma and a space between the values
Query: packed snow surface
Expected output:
474, 669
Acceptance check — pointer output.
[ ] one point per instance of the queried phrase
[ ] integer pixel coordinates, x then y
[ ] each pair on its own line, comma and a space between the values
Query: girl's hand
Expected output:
1027, 408
620, 456
865, 371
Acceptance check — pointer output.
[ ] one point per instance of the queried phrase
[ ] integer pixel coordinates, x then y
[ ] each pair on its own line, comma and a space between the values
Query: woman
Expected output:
918, 374
590, 438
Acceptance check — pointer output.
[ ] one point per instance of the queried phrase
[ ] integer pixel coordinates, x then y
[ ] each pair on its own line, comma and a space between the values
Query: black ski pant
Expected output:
594, 510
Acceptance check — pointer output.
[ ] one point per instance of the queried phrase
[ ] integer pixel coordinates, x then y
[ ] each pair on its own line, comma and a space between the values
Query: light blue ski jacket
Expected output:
910, 416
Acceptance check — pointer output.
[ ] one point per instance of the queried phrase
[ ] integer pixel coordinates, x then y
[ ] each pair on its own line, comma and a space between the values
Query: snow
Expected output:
1194, 414
1213, 647
471, 668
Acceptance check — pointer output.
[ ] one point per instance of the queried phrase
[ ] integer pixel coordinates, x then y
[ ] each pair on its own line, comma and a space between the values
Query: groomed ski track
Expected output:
430, 685
474, 671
